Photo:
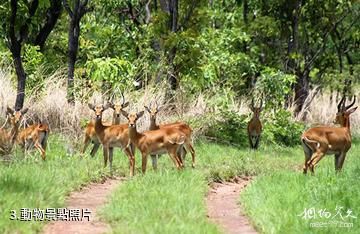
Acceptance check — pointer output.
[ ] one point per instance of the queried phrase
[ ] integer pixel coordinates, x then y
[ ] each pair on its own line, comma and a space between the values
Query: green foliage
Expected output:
33, 64
230, 128
274, 86
111, 72
281, 129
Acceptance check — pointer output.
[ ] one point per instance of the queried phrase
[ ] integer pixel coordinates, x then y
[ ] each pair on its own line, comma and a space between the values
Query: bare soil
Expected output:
90, 197
223, 208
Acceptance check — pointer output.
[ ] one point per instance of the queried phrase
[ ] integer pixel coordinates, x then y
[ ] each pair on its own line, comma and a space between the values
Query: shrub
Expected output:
231, 128
281, 129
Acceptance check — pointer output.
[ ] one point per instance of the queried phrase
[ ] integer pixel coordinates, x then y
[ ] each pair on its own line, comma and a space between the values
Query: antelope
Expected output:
112, 136
165, 140
254, 127
183, 127
319, 141
90, 134
34, 136
8, 138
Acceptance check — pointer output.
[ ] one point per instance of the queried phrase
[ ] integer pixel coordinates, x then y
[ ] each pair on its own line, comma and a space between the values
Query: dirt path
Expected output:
91, 197
223, 208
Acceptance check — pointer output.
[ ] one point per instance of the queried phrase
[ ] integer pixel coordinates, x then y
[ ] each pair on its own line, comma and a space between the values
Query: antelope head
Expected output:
118, 106
344, 112
15, 116
153, 110
256, 110
98, 109
132, 117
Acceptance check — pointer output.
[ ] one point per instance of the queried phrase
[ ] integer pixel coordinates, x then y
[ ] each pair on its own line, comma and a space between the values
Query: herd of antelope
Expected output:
175, 138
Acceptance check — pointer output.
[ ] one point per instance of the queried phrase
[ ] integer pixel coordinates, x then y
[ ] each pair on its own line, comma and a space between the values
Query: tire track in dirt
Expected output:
90, 197
223, 208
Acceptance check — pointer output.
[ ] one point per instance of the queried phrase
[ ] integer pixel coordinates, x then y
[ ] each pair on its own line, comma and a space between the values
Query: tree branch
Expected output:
322, 48
52, 15
67, 8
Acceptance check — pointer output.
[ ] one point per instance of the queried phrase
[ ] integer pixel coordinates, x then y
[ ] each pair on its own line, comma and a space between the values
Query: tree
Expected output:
22, 20
17, 31
80, 8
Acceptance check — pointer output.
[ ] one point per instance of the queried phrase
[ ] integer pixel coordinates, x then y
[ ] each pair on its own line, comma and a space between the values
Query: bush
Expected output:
281, 129
231, 128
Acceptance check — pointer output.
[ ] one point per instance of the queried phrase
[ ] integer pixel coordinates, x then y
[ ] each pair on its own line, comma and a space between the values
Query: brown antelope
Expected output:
90, 134
161, 141
34, 136
8, 138
183, 127
319, 141
113, 136
254, 127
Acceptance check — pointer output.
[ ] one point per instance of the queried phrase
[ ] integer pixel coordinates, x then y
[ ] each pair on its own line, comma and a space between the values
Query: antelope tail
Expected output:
306, 141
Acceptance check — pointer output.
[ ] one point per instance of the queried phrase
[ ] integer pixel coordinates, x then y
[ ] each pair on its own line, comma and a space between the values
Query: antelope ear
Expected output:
91, 106
352, 110
126, 104
23, 111
124, 113
147, 108
9, 111
139, 114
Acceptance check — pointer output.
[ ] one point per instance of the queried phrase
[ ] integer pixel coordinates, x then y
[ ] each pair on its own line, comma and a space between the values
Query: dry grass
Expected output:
50, 106
322, 110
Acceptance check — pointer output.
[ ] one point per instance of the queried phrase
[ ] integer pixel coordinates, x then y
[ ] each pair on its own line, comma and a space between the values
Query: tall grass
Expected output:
48, 104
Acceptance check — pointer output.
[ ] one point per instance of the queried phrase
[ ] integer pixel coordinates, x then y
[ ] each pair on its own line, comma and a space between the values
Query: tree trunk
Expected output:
245, 11
301, 88
301, 91
21, 81
72, 53
172, 76
164, 5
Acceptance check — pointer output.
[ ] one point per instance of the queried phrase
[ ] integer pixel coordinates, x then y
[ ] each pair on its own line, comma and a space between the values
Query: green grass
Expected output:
169, 201
274, 200
32, 183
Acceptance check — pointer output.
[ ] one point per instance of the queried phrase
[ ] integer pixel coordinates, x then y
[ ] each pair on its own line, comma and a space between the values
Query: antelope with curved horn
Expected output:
319, 141
161, 141
254, 127
8, 138
182, 127
34, 136
90, 134
113, 136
